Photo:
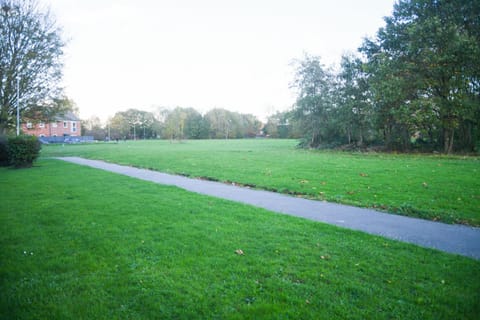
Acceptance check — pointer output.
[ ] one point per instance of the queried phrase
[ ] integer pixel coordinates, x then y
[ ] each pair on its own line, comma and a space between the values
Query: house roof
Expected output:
67, 116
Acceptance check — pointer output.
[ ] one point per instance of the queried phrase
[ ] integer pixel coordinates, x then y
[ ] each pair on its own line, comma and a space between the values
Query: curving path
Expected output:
457, 239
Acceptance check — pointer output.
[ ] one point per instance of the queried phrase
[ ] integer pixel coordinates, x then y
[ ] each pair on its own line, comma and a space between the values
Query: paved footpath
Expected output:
462, 240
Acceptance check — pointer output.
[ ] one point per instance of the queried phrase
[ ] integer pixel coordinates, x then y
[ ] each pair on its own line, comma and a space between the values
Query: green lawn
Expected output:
80, 243
433, 187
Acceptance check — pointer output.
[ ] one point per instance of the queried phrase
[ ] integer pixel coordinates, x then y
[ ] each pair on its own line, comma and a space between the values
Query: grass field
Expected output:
432, 187
79, 243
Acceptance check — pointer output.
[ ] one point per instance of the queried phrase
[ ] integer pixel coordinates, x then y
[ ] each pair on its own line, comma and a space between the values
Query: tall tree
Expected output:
195, 125
119, 126
30, 51
250, 126
426, 63
175, 124
354, 104
314, 101
220, 123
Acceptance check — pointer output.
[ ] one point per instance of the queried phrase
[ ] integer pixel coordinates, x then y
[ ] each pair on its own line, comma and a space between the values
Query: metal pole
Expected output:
18, 106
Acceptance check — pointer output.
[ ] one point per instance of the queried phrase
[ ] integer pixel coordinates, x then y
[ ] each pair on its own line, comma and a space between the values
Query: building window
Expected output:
74, 126
54, 124
41, 125
29, 125
65, 124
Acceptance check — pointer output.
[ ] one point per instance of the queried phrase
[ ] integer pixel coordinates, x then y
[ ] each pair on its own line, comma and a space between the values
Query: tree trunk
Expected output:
3, 122
448, 141
315, 142
360, 141
387, 136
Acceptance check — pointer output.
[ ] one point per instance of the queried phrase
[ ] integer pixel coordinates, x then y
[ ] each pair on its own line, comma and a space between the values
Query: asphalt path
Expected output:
456, 239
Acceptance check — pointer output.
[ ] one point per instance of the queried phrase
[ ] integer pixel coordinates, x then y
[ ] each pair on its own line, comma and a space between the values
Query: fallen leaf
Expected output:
363, 174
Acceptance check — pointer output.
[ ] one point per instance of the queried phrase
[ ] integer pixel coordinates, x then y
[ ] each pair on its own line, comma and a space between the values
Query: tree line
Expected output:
416, 85
174, 124
30, 66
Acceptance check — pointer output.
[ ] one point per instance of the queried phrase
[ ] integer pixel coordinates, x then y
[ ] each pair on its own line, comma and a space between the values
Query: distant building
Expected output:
66, 124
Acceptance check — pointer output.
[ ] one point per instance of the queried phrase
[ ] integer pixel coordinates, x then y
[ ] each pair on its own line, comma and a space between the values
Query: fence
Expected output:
67, 139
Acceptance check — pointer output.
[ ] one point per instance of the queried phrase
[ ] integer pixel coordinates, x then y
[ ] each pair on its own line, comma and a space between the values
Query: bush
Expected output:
3, 151
23, 150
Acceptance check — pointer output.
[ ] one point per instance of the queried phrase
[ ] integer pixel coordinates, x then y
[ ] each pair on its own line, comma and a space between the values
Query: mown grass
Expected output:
432, 187
80, 243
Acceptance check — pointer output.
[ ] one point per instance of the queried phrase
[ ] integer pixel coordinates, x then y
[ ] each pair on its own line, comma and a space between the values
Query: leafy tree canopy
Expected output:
30, 51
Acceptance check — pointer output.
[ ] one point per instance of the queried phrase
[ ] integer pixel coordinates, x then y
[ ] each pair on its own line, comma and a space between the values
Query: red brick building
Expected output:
67, 124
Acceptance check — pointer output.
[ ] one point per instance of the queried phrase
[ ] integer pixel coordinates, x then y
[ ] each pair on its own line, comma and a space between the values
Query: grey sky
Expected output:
203, 54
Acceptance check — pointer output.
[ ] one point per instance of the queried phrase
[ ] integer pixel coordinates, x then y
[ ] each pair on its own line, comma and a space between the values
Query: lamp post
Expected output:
135, 123
18, 106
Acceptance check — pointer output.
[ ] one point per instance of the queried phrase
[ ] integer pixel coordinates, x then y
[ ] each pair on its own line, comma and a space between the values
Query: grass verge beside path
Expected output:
80, 243
432, 187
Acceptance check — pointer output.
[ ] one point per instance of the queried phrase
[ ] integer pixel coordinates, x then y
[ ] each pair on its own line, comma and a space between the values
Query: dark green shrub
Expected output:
3, 151
23, 150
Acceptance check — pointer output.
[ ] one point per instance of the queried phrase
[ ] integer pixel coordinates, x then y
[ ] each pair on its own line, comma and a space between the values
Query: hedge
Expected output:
22, 151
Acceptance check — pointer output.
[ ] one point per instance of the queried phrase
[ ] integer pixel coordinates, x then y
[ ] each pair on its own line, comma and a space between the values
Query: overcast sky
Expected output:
232, 54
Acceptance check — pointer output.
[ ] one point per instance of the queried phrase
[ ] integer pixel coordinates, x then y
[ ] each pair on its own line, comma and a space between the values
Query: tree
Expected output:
281, 125
93, 127
147, 125
134, 124
30, 51
175, 124
354, 104
195, 125
119, 126
220, 123
314, 101
425, 66
250, 125
184, 123
224, 124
